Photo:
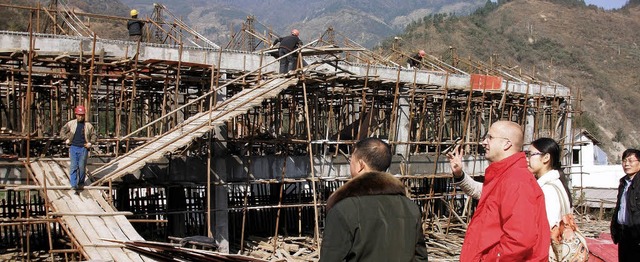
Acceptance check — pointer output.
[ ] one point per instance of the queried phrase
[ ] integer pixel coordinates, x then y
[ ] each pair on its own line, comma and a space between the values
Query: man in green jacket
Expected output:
370, 218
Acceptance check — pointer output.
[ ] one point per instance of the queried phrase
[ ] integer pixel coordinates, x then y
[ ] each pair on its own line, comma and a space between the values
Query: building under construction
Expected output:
196, 139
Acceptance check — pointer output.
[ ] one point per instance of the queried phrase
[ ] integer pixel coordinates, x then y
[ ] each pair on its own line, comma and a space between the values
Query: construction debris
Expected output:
175, 252
282, 248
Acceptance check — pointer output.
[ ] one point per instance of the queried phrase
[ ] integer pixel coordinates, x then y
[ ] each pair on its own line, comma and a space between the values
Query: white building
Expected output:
591, 175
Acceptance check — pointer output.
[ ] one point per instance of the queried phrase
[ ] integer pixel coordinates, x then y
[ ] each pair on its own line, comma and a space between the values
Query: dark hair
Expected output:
374, 152
629, 152
549, 146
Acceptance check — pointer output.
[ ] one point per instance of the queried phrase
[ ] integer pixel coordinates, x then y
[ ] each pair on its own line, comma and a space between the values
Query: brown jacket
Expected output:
69, 130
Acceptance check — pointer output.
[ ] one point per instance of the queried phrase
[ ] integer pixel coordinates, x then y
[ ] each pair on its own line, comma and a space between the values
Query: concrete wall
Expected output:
12, 175
597, 176
238, 60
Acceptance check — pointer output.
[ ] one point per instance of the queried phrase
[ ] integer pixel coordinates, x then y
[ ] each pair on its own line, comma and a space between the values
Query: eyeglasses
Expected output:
629, 160
490, 137
530, 154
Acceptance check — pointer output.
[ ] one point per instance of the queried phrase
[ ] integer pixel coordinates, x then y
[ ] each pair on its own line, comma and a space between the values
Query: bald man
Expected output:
415, 61
370, 218
510, 222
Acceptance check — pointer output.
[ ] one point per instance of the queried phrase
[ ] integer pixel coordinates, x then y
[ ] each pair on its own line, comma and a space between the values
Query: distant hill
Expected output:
364, 21
593, 51
15, 19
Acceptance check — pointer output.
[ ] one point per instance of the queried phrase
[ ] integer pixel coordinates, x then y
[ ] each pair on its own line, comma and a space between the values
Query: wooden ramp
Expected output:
87, 216
192, 128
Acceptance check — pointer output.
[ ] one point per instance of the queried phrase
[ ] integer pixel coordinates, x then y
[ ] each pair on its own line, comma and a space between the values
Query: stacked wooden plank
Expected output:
194, 127
86, 216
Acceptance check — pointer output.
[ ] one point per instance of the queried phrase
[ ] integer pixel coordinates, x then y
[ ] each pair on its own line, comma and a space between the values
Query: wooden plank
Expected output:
86, 227
108, 228
99, 197
93, 253
103, 232
89, 202
91, 214
85, 205
72, 223
116, 231
34, 187
119, 254
103, 253
135, 257
127, 228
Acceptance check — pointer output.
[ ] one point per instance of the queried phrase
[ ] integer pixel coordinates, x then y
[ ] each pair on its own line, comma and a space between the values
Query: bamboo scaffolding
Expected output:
325, 113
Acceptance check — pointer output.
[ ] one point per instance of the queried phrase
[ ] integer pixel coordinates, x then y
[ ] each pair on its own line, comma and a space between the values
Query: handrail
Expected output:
212, 92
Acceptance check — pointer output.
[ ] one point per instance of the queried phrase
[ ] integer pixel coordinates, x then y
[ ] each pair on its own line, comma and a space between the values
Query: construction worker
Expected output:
135, 26
79, 135
288, 44
416, 60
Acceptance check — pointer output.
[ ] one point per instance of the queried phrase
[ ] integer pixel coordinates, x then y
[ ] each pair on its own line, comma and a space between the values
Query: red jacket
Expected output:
510, 222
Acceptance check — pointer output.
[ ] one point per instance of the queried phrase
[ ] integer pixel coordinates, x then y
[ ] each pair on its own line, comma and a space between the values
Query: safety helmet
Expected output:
80, 110
134, 12
295, 32
422, 53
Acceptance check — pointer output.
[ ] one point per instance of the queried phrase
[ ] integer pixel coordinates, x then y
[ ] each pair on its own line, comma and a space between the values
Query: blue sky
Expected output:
607, 4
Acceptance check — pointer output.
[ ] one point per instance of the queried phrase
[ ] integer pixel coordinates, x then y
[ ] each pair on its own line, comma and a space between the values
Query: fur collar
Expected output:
368, 184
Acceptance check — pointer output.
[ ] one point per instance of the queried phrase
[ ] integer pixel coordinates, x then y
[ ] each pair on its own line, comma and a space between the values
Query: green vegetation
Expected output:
585, 48
586, 122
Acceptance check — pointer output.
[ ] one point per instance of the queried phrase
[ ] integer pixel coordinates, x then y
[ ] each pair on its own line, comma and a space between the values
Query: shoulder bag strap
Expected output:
564, 201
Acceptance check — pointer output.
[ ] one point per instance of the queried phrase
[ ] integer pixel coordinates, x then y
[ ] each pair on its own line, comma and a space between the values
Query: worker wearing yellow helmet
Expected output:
135, 26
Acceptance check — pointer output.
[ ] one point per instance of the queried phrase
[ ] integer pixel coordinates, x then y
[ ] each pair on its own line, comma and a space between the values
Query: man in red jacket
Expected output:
510, 222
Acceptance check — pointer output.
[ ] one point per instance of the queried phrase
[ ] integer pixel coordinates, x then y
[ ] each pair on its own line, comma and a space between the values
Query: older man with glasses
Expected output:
510, 222
625, 223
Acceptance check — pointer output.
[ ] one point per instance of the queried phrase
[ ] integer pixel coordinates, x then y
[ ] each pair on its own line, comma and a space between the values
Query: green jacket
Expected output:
370, 219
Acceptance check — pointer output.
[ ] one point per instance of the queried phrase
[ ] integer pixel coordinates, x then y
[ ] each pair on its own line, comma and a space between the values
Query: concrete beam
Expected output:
246, 61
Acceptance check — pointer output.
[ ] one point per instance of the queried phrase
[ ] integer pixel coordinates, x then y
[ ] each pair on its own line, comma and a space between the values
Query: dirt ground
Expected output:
590, 228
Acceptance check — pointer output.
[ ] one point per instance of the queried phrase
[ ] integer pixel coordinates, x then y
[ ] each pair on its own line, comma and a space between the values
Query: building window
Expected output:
576, 156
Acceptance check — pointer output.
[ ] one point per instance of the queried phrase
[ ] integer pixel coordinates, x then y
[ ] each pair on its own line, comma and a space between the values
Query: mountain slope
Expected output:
593, 51
367, 22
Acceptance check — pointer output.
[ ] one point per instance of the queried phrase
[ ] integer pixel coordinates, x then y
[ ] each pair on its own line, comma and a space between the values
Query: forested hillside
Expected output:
593, 51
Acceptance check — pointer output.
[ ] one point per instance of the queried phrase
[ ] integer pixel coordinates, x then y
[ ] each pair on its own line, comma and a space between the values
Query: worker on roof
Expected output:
415, 61
135, 26
79, 135
288, 44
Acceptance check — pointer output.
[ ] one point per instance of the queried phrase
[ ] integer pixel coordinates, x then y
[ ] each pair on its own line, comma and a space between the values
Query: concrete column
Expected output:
219, 195
177, 203
567, 148
220, 200
403, 130
529, 122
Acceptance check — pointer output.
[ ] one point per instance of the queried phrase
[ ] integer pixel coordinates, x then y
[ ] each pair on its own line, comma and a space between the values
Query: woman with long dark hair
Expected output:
544, 163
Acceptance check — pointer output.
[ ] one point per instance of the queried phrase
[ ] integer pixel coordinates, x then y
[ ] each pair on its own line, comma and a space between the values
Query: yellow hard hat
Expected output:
134, 12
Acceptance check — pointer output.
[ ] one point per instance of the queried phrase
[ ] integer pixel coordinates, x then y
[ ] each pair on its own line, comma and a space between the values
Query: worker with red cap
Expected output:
288, 44
415, 61
79, 135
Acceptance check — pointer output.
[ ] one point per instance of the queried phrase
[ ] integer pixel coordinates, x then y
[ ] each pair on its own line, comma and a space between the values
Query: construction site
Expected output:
206, 145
